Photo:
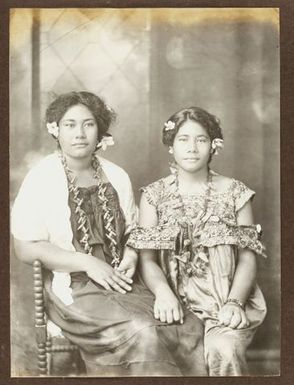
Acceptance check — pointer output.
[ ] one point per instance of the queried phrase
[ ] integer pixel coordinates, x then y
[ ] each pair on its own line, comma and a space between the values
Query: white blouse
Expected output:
41, 211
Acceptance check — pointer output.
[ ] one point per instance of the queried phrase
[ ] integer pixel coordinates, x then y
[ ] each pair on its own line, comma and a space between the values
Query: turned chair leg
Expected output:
46, 348
43, 345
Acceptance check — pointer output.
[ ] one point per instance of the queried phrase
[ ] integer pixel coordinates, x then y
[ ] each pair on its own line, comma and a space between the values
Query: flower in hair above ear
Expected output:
217, 144
53, 129
108, 107
169, 125
105, 141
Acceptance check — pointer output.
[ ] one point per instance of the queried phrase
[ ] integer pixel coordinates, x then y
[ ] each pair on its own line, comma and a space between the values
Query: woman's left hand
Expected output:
233, 316
129, 262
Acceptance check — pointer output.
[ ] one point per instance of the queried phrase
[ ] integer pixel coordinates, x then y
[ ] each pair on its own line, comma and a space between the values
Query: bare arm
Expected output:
245, 273
151, 272
58, 259
28, 223
244, 278
51, 256
166, 306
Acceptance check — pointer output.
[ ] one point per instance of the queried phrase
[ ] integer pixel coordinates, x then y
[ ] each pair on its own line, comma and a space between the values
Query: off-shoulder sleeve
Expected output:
250, 237
241, 194
26, 216
243, 236
153, 192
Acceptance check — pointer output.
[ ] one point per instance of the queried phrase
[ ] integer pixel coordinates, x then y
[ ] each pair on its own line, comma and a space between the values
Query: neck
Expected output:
199, 176
78, 164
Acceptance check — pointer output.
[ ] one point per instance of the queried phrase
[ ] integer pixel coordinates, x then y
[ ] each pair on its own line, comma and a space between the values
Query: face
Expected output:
191, 147
78, 132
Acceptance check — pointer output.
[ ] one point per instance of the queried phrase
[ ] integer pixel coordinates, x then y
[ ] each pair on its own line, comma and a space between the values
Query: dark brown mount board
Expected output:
287, 201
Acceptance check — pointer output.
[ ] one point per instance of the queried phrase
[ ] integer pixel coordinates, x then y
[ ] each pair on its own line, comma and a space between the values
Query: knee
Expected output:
224, 347
148, 336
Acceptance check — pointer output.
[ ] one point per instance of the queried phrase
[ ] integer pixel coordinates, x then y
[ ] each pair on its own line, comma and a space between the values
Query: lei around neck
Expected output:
108, 218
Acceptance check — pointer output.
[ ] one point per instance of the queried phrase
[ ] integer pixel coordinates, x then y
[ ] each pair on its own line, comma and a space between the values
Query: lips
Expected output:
80, 144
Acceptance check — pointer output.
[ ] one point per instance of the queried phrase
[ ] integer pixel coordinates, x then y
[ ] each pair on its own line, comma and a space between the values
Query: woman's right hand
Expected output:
167, 307
111, 279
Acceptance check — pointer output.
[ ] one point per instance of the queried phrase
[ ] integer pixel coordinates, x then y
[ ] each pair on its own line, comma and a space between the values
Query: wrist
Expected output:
86, 262
130, 252
163, 288
236, 302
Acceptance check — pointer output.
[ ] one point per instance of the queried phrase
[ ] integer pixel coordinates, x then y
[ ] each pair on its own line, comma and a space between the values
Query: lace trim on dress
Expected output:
240, 236
156, 237
162, 237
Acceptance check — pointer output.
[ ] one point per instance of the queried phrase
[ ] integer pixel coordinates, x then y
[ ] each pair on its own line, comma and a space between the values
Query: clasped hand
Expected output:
119, 279
233, 316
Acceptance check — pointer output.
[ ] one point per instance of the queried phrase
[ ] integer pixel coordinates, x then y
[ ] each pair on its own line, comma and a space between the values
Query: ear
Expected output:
170, 150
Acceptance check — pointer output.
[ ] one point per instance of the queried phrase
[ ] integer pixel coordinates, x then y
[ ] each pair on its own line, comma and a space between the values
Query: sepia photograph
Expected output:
145, 218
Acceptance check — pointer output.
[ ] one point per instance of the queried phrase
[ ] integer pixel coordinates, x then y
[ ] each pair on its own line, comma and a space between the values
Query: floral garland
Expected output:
191, 229
82, 218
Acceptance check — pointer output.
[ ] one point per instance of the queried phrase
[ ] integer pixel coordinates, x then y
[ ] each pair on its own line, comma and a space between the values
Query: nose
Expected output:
80, 131
192, 146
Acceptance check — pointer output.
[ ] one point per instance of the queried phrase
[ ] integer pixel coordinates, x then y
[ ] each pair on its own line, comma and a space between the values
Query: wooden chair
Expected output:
56, 355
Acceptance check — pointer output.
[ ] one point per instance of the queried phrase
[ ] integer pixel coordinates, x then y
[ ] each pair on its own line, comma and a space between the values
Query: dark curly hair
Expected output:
103, 115
209, 122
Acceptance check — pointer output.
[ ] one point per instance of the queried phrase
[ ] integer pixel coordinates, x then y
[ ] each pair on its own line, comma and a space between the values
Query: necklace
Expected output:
108, 218
191, 230
202, 214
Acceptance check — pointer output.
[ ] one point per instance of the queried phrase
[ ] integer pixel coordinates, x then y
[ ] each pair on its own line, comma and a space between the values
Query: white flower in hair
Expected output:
217, 144
53, 129
105, 141
169, 125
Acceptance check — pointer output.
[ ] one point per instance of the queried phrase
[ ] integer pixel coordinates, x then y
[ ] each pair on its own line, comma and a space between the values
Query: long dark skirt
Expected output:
118, 335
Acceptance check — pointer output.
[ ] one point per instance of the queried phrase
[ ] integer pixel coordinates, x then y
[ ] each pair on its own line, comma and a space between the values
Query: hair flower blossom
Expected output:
217, 144
53, 129
105, 141
169, 125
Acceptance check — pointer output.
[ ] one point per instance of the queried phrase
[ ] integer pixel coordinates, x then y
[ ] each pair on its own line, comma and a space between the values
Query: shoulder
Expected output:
159, 185
44, 168
236, 190
155, 190
239, 192
240, 189
112, 169
221, 183
119, 179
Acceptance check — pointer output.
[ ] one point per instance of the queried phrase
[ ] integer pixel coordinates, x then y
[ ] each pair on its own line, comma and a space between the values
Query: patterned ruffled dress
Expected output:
198, 255
117, 333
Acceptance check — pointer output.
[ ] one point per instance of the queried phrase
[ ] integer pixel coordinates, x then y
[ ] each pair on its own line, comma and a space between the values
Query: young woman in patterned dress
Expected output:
199, 244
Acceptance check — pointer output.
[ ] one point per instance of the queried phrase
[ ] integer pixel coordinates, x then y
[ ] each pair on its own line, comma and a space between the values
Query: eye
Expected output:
182, 139
89, 124
202, 140
69, 125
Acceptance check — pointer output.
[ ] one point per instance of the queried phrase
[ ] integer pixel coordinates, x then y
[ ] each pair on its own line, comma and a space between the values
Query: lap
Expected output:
223, 338
103, 320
